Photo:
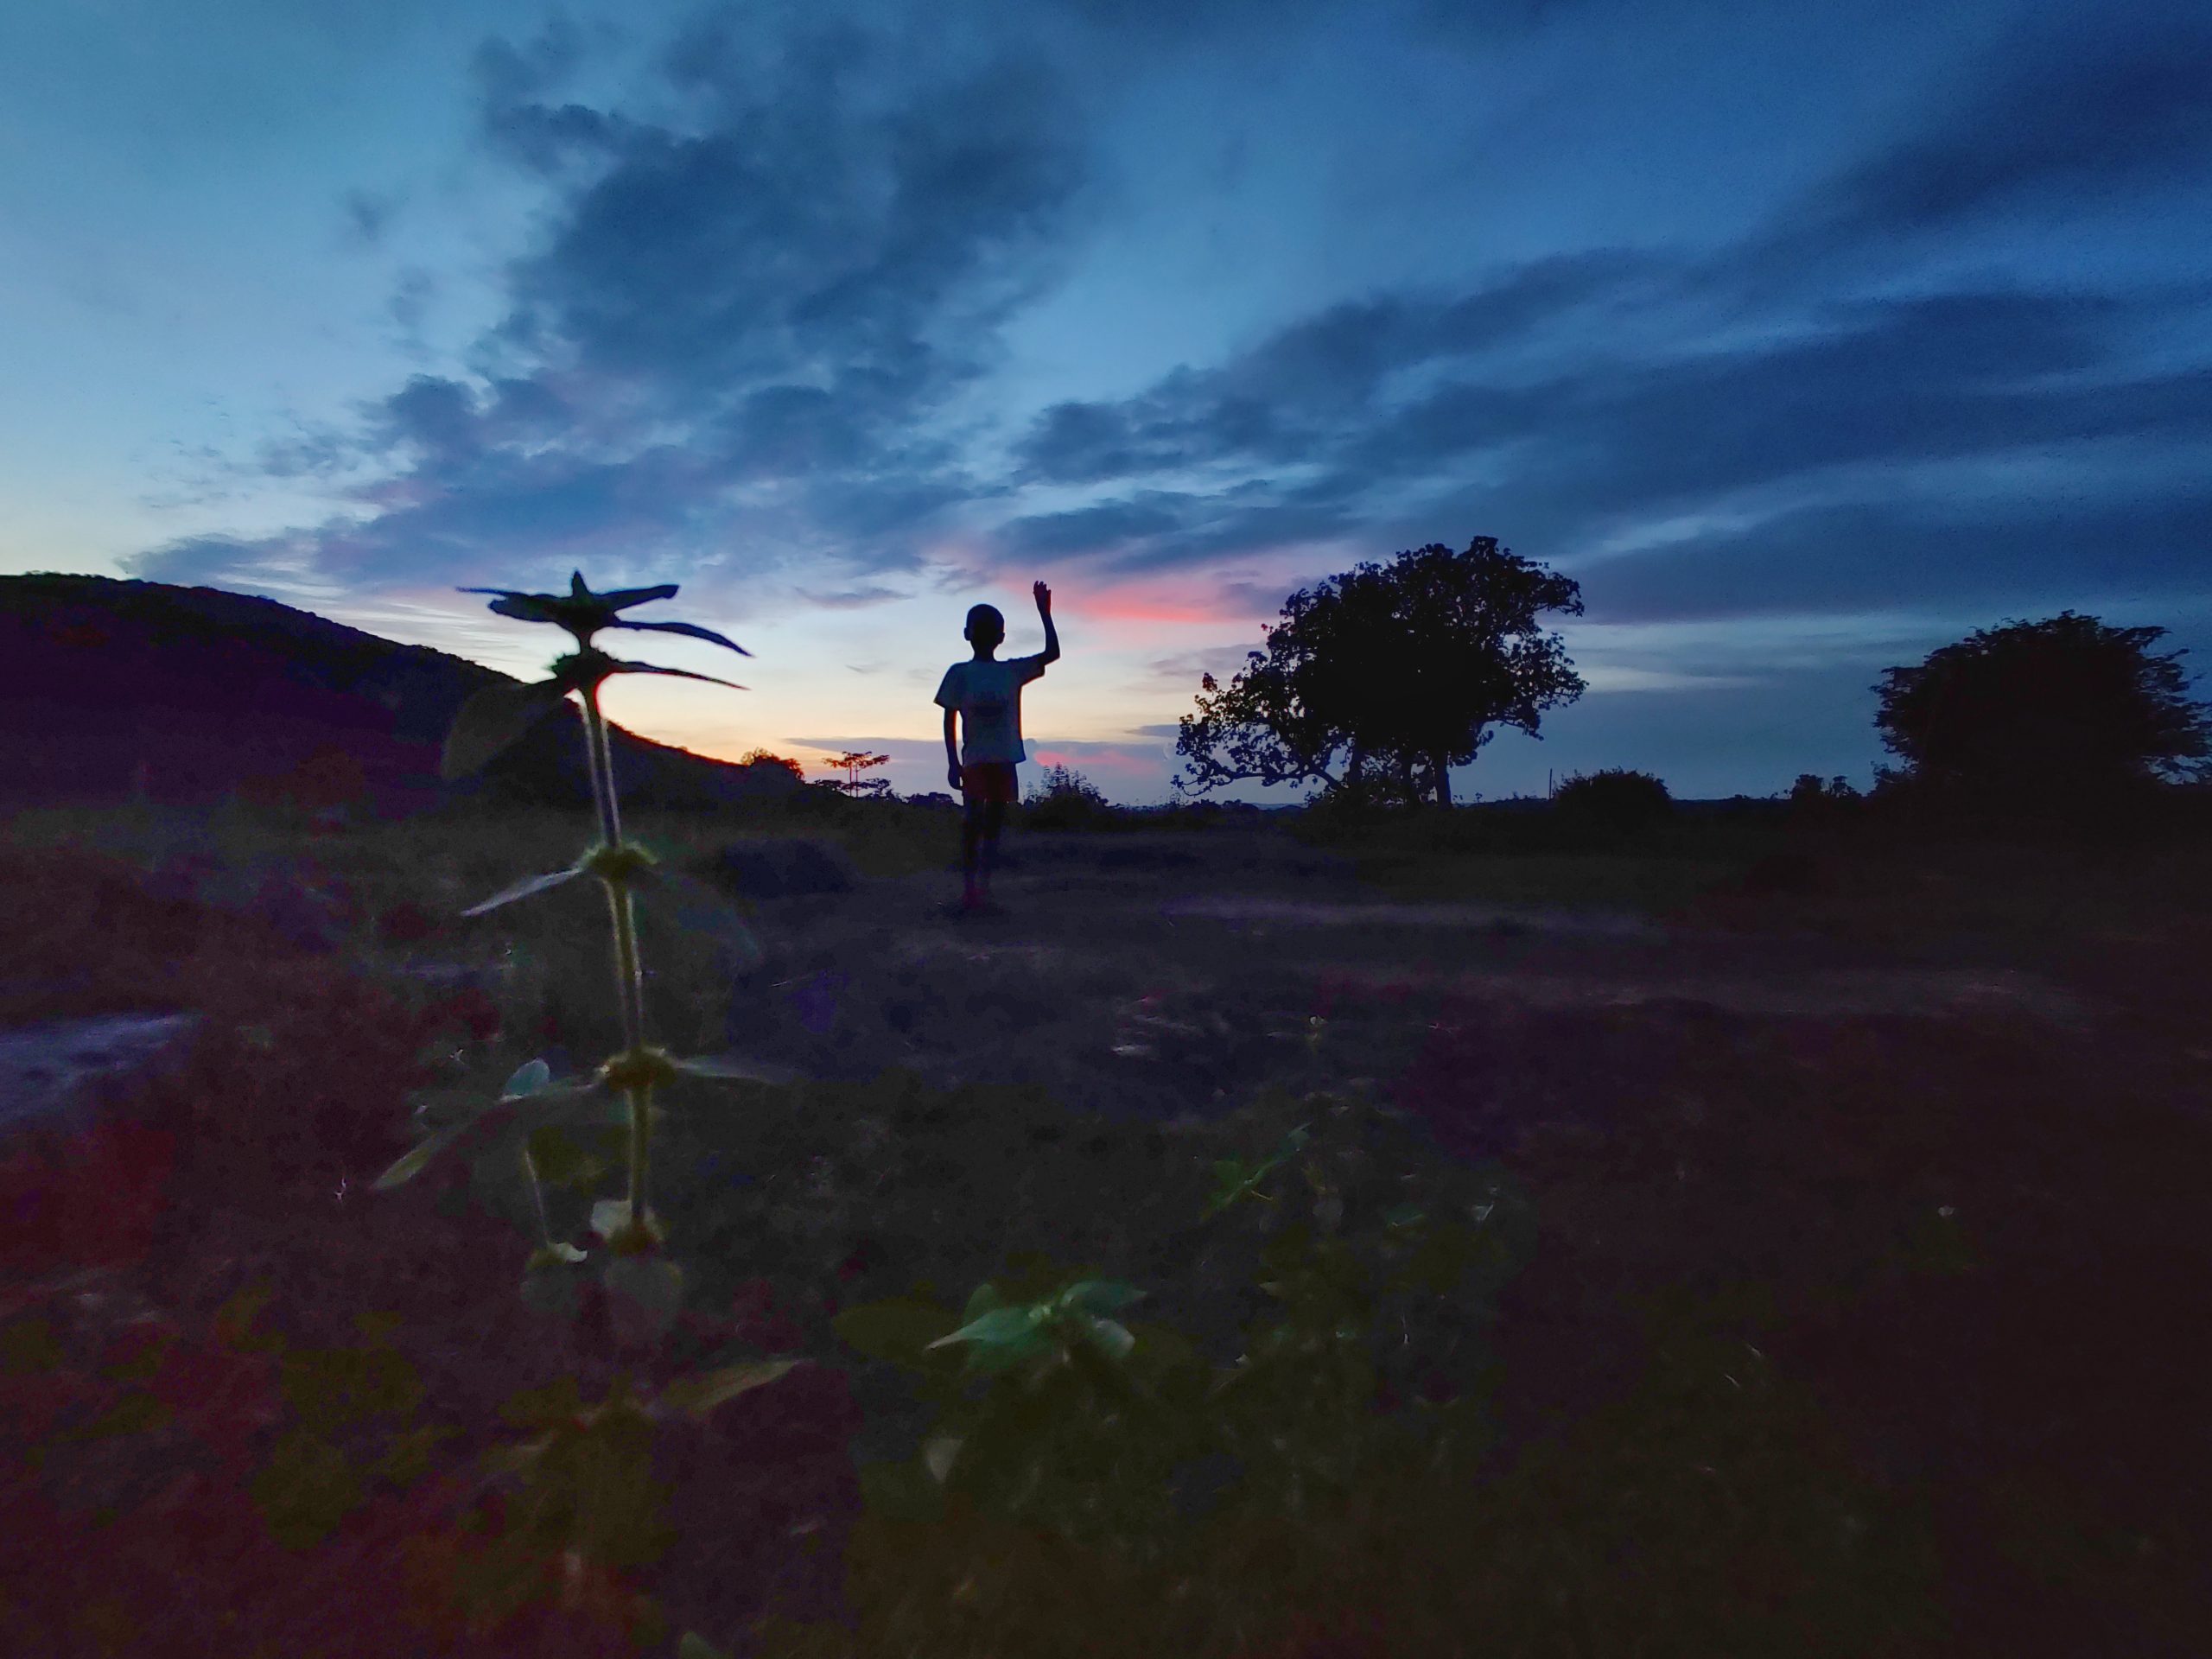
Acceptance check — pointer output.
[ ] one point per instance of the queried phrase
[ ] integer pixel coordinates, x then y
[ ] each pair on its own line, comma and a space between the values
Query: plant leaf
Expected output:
699, 1395
981, 1301
548, 1102
418, 1157
937, 1454
690, 631
523, 889
1111, 1338
584, 1105
737, 1066
494, 719
526, 608
621, 667
1001, 1327
533, 1077
437, 1108
1100, 1296
623, 598
1005, 1356
558, 1160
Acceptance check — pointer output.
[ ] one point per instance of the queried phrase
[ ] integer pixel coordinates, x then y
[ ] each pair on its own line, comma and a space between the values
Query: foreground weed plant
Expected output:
1079, 1469
535, 1108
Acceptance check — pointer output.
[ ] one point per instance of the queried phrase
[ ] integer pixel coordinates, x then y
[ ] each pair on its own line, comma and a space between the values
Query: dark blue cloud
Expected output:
774, 280
1083, 529
1865, 556
368, 215
1948, 376
2077, 119
1309, 381
782, 292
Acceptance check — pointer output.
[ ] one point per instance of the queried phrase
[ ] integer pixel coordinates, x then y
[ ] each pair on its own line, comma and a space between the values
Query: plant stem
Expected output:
538, 1197
601, 759
628, 972
629, 979
640, 1133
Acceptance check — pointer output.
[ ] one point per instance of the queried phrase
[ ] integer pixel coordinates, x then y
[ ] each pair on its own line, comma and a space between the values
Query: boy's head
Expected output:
985, 627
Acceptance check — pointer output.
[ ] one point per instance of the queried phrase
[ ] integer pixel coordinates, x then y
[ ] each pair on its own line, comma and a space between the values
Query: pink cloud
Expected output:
1171, 601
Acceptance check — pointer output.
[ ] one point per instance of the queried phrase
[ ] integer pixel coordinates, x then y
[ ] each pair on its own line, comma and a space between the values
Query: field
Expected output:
1831, 1216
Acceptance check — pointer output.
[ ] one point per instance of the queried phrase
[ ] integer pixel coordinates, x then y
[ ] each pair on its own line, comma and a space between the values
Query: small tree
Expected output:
1809, 793
2062, 706
1613, 805
856, 761
1410, 668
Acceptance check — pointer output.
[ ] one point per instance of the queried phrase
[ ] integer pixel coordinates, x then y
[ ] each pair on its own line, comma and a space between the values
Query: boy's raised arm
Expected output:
1044, 596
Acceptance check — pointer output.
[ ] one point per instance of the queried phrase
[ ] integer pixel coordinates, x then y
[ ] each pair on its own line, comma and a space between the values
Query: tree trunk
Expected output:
1443, 781
1406, 777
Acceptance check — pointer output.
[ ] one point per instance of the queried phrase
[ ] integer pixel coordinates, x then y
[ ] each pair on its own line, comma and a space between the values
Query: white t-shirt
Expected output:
988, 696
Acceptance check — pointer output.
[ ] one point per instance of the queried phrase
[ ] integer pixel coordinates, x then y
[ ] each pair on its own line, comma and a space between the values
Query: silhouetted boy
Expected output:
986, 696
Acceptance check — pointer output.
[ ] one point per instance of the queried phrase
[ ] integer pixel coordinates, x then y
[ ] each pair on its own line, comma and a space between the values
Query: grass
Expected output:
1644, 884
1850, 1337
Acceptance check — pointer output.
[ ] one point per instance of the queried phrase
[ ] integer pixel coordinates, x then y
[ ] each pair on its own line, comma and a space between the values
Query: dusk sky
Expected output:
1805, 337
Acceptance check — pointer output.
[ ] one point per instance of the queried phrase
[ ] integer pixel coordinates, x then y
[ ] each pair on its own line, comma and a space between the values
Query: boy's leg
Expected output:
994, 820
971, 831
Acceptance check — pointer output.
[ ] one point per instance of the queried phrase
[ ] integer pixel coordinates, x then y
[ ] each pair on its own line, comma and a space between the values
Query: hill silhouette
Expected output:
193, 694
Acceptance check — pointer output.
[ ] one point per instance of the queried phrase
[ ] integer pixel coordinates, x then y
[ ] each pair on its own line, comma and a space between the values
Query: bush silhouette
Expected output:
1814, 801
2060, 710
1066, 800
1611, 806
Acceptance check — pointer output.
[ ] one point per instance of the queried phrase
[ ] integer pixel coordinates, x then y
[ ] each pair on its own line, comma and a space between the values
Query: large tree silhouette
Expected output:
1409, 669
2055, 707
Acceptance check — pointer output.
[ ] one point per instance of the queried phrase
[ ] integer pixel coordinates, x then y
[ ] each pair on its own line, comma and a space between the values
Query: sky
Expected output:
1806, 339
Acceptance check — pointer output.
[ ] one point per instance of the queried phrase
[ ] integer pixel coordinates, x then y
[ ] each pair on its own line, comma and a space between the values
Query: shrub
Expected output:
1810, 798
1066, 800
763, 758
1611, 806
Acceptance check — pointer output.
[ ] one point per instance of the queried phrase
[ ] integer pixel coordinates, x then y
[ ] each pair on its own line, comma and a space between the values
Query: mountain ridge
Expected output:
109, 685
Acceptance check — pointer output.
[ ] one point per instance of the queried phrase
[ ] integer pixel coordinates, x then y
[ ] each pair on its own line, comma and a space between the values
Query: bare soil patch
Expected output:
1156, 974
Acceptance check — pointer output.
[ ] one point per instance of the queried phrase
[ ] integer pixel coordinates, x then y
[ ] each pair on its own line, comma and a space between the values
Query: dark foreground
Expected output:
1855, 1309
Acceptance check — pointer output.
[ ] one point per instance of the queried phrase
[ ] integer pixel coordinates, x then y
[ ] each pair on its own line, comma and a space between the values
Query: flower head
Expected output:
583, 613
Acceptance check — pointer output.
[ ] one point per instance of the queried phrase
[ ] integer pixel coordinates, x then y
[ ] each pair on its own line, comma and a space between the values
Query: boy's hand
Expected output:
1044, 598
952, 774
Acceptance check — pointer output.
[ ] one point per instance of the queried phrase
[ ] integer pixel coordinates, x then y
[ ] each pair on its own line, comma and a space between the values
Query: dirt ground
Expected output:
1153, 975
1947, 1187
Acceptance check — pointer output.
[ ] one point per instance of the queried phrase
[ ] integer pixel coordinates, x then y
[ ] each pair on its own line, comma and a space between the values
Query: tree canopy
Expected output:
1407, 669
2063, 704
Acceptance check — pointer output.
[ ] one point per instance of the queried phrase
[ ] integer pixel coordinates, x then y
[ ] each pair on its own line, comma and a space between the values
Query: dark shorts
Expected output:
988, 780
